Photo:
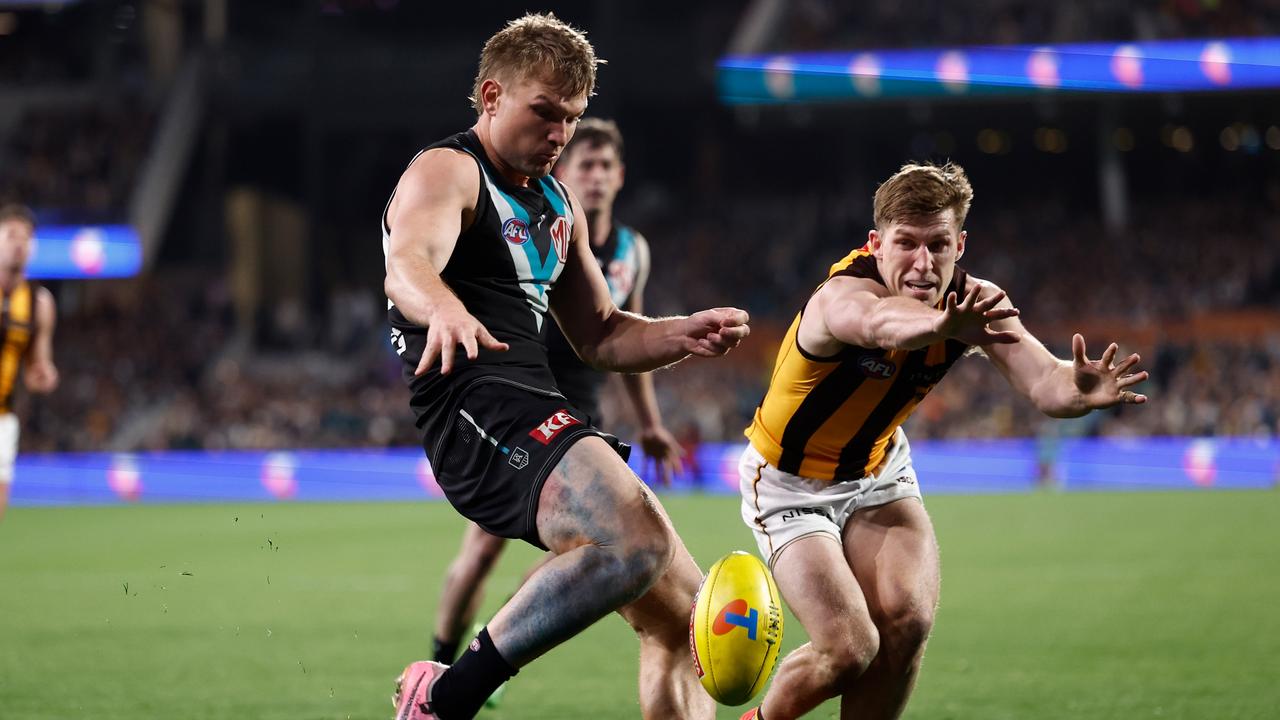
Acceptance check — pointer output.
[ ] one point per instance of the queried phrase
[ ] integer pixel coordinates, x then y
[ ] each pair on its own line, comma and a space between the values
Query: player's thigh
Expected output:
894, 555
822, 592
9, 432
592, 497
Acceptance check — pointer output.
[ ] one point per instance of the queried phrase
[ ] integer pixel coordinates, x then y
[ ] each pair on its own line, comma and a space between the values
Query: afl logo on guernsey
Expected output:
560, 233
876, 368
515, 231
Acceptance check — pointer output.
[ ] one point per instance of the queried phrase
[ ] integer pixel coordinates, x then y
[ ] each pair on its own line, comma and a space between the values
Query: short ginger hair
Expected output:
921, 190
539, 45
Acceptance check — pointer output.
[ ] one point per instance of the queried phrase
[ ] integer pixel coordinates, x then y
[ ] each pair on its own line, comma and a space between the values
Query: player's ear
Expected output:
622, 174
490, 91
964, 235
873, 240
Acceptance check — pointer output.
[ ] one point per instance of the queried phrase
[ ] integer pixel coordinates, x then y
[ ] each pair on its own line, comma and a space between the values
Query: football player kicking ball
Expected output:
481, 244
827, 483
592, 166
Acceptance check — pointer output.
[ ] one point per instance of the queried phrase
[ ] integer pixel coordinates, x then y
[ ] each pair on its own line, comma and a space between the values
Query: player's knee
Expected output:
647, 562
905, 633
643, 562
476, 558
622, 574
848, 660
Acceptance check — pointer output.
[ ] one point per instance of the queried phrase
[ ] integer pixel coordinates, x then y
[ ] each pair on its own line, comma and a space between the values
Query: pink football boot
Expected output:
413, 688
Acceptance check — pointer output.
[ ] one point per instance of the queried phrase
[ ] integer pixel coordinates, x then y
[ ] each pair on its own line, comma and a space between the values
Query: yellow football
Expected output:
736, 629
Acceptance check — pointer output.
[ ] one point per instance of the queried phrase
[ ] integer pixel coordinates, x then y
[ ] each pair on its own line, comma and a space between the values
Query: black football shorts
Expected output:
494, 446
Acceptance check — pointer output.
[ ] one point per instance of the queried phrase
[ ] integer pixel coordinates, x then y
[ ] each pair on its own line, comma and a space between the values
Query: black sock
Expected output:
444, 652
462, 689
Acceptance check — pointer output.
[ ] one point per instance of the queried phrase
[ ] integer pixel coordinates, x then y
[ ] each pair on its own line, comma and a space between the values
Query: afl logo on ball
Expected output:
515, 231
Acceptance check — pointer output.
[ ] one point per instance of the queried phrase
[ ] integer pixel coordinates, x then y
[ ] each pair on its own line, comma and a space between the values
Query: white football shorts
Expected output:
781, 508
8, 446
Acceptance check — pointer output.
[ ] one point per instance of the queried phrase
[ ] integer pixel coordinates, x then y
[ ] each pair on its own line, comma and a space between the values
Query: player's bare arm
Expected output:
656, 441
41, 375
434, 202
862, 312
609, 338
1061, 388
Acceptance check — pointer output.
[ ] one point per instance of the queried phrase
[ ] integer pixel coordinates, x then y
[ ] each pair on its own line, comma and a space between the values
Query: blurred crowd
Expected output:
74, 158
164, 361
834, 25
157, 364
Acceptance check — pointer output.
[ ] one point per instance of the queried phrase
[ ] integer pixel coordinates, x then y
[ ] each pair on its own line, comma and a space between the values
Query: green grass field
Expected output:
1152, 605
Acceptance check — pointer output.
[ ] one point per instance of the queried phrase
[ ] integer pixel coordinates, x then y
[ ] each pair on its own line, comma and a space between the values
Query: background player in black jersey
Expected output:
480, 245
827, 482
592, 166
26, 332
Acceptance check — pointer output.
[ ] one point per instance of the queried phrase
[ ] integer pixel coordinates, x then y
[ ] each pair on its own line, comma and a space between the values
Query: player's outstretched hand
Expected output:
450, 327
1101, 384
664, 450
969, 319
714, 332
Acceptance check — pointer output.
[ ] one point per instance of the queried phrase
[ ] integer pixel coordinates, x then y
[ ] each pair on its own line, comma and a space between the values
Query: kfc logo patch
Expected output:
553, 426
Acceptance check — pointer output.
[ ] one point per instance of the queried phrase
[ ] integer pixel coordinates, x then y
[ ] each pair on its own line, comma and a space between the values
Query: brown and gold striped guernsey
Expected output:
832, 418
17, 327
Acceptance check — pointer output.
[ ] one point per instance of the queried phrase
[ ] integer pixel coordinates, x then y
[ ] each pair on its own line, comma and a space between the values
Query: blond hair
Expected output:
539, 45
920, 190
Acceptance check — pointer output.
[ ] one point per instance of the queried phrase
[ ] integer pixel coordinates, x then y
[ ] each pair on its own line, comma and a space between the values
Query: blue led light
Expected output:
944, 466
74, 251
1164, 66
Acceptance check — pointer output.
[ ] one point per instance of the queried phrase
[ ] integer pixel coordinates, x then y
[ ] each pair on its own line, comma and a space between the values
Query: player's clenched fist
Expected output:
714, 332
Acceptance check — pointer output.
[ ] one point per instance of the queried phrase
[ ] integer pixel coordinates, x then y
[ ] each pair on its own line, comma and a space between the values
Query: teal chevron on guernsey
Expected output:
536, 273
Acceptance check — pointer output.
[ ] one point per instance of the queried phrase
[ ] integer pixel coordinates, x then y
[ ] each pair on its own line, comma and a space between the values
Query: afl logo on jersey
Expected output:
515, 231
560, 233
876, 368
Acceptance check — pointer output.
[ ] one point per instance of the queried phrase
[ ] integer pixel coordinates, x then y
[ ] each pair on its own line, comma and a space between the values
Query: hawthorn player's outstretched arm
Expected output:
1060, 388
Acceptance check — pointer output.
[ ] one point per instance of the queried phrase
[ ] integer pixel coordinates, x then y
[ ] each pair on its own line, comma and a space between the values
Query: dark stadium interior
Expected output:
239, 394
314, 107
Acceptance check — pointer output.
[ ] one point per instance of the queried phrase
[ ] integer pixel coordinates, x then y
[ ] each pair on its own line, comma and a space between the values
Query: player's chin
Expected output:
540, 167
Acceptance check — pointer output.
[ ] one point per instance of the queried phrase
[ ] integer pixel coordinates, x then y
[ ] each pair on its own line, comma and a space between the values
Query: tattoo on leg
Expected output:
598, 571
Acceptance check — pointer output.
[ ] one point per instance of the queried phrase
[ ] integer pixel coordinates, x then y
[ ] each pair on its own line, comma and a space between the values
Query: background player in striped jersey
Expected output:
481, 244
827, 482
592, 166
27, 317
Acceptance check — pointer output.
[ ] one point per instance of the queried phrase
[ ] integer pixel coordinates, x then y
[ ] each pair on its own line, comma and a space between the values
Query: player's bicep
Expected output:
427, 211
846, 305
